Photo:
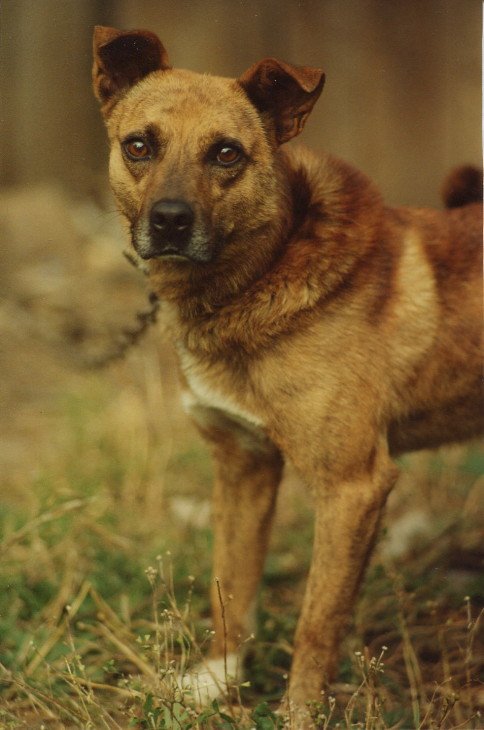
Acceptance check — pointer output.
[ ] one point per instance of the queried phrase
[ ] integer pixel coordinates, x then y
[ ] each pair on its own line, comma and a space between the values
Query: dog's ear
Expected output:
283, 94
121, 58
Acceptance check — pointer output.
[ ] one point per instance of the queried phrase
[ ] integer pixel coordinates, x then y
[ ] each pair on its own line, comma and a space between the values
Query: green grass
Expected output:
104, 584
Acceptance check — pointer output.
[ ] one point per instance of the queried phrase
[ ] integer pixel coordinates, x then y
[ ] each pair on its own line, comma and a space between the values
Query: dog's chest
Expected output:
213, 387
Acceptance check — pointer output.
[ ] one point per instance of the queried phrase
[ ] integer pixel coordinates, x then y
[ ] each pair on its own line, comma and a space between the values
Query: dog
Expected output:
312, 324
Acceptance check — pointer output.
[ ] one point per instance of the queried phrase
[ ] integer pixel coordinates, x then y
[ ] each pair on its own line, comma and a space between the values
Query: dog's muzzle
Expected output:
174, 233
171, 227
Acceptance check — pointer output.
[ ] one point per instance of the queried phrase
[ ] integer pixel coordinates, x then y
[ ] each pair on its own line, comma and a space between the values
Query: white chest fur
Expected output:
203, 391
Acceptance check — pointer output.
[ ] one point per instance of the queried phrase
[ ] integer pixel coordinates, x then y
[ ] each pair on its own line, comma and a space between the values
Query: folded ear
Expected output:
121, 58
283, 94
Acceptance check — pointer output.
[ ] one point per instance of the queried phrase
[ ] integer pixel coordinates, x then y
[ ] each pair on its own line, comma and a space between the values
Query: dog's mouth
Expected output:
169, 253
195, 252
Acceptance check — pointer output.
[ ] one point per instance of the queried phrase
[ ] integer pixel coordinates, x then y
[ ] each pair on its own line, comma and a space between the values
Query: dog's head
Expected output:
193, 157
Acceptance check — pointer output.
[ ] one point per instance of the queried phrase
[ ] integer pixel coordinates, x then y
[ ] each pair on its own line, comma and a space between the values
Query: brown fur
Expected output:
312, 323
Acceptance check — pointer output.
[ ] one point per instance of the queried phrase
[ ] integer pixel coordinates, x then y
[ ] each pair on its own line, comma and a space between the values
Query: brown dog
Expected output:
312, 323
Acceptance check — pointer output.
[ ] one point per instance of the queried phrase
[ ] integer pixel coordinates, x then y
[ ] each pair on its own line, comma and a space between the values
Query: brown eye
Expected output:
137, 149
228, 154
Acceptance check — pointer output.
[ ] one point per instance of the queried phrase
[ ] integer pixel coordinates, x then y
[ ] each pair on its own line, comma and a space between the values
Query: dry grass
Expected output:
105, 518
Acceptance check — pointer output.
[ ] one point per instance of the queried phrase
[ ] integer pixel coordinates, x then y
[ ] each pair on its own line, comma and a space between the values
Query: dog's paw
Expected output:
205, 682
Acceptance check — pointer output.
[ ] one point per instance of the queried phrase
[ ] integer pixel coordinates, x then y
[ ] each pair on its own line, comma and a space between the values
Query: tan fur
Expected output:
313, 324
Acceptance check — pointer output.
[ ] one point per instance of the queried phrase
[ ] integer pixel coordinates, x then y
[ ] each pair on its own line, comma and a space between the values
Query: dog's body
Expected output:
312, 323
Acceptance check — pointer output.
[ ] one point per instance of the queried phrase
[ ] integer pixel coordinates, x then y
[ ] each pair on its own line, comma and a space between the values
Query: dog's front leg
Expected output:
248, 471
348, 514
247, 476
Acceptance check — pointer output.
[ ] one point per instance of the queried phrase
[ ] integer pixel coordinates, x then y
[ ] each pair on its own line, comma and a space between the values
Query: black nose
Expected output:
171, 223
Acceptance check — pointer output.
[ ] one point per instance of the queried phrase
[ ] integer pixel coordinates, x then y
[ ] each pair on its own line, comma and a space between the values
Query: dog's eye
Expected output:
137, 149
227, 154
